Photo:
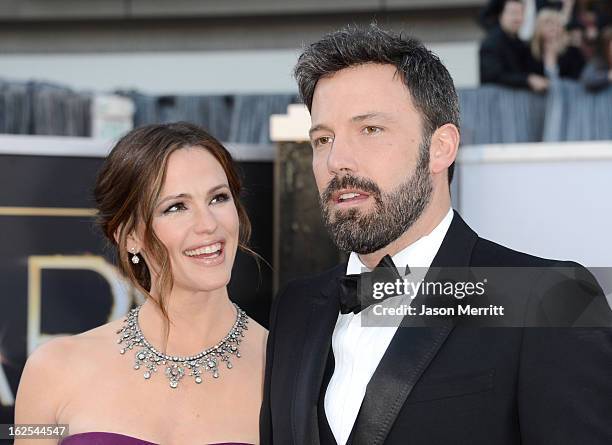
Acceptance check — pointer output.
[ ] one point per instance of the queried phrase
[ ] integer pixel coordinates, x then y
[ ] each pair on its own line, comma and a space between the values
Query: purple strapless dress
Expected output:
103, 438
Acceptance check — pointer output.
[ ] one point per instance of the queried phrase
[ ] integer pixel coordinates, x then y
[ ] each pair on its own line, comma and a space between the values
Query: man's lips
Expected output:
349, 196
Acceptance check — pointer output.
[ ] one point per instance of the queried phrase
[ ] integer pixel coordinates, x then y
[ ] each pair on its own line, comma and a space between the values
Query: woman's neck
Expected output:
198, 320
550, 52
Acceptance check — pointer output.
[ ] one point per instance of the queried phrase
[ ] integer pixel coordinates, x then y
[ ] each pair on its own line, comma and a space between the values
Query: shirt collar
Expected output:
418, 254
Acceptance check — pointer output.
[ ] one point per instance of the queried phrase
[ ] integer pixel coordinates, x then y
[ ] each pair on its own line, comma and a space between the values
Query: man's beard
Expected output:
393, 213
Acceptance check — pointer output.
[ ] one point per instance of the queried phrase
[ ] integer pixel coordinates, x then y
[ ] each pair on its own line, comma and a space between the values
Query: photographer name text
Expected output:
424, 310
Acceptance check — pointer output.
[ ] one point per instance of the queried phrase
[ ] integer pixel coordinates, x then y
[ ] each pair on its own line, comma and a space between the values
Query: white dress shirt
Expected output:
351, 342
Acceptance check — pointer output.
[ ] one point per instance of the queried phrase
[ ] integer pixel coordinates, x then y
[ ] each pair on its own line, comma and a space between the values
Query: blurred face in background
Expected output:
511, 18
550, 26
576, 37
589, 19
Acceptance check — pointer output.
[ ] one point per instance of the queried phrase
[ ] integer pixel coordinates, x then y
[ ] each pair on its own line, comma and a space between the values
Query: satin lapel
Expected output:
324, 312
410, 352
408, 355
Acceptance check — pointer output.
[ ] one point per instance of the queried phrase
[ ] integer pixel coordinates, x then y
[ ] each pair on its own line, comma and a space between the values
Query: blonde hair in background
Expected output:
537, 42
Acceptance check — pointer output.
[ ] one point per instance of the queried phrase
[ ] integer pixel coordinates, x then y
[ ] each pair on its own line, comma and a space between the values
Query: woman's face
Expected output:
551, 29
197, 221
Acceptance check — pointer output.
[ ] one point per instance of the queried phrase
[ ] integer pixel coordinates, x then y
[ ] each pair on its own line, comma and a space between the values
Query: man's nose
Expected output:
341, 157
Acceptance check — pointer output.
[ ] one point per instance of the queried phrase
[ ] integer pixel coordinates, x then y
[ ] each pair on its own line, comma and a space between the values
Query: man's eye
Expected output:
372, 130
322, 141
174, 208
221, 197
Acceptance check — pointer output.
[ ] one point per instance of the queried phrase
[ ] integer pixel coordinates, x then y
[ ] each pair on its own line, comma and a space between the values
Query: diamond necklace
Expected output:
131, 337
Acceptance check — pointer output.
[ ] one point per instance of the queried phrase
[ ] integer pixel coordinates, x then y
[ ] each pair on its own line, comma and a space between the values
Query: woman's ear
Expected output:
132, 242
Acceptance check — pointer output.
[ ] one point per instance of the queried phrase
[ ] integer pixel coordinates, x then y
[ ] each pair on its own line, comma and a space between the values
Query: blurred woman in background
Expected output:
597, 74
182, 367
551, 49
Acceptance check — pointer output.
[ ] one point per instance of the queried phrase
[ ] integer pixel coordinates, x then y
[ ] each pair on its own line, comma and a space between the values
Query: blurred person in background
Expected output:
551, 47
490, 13
575, 31
505, 59
593, 16
589, 20
597, 74
182, 367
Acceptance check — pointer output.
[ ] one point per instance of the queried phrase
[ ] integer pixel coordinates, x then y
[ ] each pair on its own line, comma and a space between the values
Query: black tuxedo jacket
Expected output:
448, 384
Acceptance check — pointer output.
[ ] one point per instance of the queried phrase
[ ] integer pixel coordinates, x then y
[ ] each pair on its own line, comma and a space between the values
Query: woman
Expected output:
597, 75
550, 47
182, 368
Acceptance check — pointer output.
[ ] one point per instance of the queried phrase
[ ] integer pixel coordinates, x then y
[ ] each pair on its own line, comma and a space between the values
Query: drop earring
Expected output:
135, 257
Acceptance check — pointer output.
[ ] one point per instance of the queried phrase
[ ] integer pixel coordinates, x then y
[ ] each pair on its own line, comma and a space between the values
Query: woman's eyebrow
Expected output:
171, 197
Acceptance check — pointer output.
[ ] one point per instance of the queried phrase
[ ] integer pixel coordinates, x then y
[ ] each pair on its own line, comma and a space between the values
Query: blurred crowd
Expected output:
531, 43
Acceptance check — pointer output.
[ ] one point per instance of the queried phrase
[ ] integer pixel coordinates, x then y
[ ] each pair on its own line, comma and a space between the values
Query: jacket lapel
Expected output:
324, 310
411, 350
408, 355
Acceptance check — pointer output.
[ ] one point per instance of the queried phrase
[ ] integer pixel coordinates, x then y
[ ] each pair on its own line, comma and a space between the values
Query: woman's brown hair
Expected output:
129, 184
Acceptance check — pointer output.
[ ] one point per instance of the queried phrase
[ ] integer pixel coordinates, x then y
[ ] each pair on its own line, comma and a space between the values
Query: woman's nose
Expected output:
204, 221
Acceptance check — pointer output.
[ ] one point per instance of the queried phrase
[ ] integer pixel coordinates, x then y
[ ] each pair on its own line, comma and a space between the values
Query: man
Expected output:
504, 58
385, 136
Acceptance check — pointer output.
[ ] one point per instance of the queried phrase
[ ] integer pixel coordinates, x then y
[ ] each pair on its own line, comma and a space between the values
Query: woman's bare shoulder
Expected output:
56, 354
52, 371
43, 382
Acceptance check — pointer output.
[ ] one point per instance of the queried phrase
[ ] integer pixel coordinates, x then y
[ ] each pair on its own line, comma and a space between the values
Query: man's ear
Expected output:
444, 146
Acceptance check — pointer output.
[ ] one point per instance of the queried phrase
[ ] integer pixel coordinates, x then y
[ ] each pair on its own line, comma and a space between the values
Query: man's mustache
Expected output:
347, 181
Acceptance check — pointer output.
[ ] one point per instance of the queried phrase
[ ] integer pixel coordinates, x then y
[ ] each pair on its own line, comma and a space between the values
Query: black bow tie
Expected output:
356, 291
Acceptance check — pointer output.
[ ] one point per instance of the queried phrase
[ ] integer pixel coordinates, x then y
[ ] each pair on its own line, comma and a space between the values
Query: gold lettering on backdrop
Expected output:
122, 293
6, 395
46, 211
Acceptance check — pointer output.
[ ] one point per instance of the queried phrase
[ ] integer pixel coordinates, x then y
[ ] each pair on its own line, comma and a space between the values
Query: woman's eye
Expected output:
179, 206
221, 197
372, 130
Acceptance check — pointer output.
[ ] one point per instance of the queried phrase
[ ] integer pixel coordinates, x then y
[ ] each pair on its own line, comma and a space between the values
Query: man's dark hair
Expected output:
489, 14
502, 6
428, 81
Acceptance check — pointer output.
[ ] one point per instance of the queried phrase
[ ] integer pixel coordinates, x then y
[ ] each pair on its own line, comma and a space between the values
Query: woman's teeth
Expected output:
205, 250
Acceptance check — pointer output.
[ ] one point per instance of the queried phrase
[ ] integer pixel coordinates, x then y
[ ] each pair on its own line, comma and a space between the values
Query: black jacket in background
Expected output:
595, 74
570, 63
506, 60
